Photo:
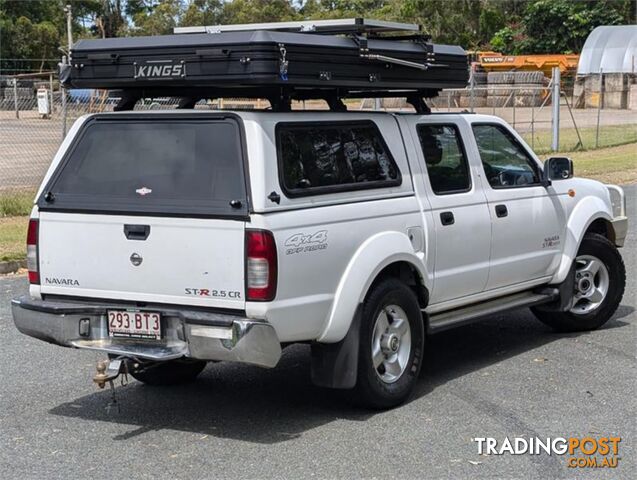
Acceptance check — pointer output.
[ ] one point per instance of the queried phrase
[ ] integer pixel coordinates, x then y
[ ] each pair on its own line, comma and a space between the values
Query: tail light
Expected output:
261, 266
32, 253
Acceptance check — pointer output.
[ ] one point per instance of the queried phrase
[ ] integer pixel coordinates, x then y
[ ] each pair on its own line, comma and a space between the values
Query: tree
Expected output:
203, 12
558, 26
159, 18
258, 11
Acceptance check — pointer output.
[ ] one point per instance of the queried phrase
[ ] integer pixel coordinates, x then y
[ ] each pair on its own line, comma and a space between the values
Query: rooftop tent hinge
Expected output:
283, 63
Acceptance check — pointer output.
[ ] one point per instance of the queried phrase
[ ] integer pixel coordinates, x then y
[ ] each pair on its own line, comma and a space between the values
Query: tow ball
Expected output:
107, 371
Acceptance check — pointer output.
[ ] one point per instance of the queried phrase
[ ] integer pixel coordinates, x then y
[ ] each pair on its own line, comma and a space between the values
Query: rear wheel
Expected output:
390, 354
600, 279
173, 372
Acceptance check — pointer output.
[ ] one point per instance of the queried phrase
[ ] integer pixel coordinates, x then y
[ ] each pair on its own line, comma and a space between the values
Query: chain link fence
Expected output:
30, 135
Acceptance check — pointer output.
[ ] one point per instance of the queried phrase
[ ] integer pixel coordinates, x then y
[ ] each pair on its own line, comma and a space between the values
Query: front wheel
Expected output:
391, 343
600, 280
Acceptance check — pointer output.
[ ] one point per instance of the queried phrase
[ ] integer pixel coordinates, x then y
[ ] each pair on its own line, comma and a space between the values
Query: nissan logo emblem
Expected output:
136, 259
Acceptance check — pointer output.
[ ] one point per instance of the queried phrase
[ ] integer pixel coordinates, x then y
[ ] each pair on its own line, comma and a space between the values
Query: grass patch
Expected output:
13, 234
609, 136
16, 204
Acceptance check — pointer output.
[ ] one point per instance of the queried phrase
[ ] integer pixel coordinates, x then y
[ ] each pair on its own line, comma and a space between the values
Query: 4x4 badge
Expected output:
136, 259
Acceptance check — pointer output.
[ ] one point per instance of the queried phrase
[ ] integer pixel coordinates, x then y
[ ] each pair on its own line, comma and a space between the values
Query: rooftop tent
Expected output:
328, 59
612, 49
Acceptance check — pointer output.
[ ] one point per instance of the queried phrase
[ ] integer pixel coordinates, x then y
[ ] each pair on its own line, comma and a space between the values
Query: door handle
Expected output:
137, 232
447, 218
501, 211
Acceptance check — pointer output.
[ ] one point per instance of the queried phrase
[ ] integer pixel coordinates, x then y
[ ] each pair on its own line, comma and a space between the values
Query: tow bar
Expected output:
107, 371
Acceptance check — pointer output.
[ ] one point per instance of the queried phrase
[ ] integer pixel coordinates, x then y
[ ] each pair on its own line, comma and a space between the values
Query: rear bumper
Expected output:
193, 334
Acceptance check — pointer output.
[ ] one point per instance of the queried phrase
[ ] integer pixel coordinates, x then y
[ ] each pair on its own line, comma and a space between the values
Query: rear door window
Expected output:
317, 158
152, 165
445, 158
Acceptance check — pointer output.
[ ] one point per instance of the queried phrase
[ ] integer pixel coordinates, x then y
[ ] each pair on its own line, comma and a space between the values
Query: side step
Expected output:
461, 316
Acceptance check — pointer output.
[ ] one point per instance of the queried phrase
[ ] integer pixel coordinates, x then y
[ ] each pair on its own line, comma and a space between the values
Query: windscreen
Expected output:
174, 166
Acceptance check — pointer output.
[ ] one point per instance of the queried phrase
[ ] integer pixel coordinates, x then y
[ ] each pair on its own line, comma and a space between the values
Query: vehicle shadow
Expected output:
271, 406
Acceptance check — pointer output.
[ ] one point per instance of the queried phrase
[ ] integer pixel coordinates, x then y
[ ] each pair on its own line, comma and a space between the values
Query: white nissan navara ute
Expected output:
169, 239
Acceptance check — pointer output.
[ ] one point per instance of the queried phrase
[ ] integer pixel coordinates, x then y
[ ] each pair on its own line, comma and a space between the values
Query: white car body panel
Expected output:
319, 288
461, 250
182, 259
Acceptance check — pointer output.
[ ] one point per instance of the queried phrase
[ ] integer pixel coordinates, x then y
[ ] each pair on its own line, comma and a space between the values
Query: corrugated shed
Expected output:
612, 49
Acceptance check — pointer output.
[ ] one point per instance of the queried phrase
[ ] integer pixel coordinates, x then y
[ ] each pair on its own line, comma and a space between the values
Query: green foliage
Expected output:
159, 18
16, 204
256, 11
502, 41
558, 26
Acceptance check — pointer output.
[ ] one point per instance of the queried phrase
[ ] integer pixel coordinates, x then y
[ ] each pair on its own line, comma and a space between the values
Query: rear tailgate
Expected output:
148, 208
183, 260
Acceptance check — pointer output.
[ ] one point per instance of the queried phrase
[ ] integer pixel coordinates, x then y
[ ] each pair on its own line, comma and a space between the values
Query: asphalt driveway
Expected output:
509, 376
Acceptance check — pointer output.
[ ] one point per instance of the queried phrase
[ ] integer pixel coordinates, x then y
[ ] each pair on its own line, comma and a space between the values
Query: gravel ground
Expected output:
509, 376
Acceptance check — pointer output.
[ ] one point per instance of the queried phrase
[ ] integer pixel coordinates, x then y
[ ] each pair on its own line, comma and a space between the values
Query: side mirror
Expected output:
557, 168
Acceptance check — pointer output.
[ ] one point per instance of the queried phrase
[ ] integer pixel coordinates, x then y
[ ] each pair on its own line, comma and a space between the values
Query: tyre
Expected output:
500, 77
391, 344
173, 372
600, 279
530, 90
536, 77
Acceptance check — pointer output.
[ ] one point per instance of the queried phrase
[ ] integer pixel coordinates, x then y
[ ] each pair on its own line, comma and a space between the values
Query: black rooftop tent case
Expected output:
247, 62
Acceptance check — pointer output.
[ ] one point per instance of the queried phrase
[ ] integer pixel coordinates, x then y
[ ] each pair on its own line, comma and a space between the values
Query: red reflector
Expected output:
261, 266
32, 253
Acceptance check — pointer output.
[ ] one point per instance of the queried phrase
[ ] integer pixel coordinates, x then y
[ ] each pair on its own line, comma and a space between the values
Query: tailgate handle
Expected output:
137, 232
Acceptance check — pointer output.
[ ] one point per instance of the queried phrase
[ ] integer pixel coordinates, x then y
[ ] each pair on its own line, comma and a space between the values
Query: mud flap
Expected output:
335, 365
566, 290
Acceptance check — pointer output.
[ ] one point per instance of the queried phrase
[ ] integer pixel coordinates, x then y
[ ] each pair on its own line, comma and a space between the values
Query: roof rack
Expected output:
331, 27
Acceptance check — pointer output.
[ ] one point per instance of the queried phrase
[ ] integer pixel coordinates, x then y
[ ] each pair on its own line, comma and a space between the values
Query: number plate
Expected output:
122, 323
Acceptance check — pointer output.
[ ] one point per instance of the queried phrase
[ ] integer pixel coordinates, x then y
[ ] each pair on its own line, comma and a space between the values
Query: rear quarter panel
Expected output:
317, 236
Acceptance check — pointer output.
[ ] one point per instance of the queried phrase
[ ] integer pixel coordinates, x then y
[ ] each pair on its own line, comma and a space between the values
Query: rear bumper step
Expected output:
192, 334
